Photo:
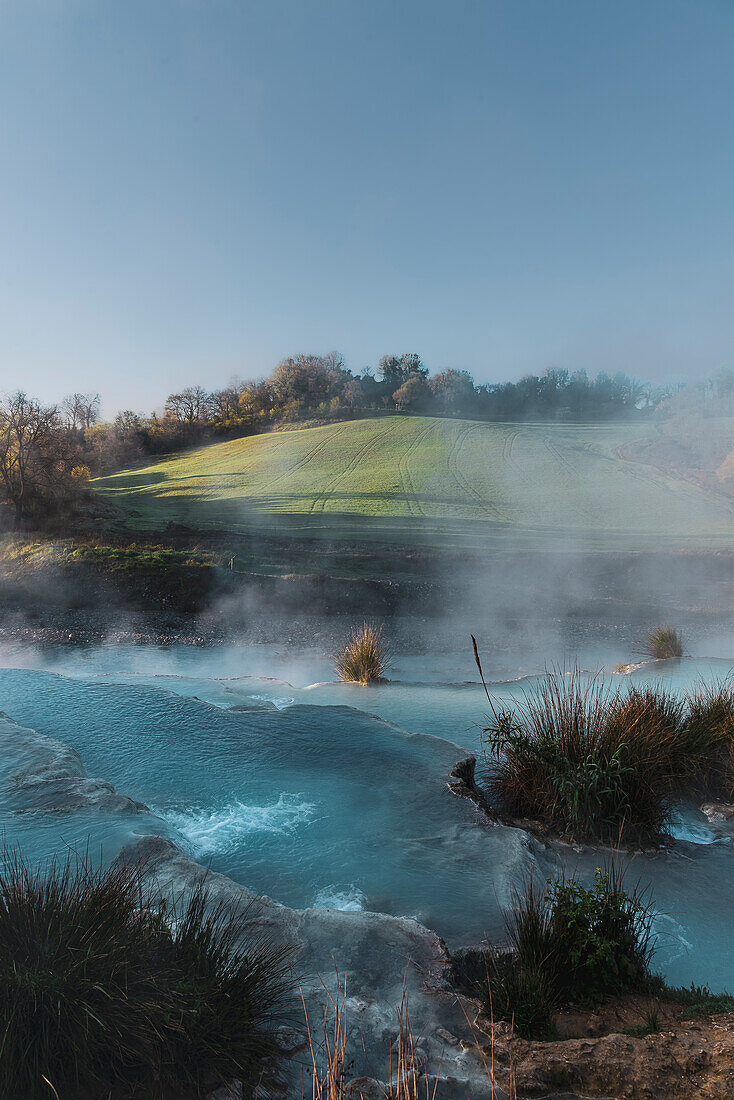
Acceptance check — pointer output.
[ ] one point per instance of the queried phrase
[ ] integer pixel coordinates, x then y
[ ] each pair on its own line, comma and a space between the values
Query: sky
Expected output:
194, 189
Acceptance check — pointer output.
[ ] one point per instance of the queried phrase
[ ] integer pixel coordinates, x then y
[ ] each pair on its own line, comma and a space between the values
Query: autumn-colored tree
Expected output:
453, 391
396, 369
414, 395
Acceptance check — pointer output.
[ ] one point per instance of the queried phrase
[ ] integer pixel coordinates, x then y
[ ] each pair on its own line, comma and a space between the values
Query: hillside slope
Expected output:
419, 479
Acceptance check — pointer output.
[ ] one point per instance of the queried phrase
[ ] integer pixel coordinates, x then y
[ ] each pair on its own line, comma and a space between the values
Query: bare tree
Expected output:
81, 410
191, 406
28, 432
224, 404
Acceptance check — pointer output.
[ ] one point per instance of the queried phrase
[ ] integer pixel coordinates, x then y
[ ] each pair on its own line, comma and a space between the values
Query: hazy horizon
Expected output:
195, 190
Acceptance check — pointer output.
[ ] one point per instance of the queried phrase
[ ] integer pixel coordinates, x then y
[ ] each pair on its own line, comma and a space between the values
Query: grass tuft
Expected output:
102, 989
697, 1000
364, 658
709, 728
663, 643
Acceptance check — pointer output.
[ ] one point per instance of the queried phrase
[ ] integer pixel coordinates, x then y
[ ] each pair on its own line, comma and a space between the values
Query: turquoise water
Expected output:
333, 795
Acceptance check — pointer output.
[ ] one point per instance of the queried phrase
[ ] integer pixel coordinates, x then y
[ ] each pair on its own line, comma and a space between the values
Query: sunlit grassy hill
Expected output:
415, 479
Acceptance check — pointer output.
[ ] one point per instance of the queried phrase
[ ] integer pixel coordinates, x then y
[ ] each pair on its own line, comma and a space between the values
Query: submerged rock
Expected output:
718, 811
43, 774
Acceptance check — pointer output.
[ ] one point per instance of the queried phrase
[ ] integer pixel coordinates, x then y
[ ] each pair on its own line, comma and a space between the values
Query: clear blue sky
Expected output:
196, 188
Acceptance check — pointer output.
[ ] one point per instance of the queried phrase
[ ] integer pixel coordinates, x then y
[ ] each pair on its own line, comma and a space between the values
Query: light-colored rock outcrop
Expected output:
720, 812
42, 774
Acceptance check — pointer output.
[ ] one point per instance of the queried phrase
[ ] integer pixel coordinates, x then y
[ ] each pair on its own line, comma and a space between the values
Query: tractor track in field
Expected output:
509, 460
321, 499
306, 458
404, 472
461, 480
561, 459
573, 481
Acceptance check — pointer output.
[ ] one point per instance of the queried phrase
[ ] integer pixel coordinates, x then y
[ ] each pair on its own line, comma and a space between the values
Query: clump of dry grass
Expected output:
709, 720
330, 1065
364, 658
663, 643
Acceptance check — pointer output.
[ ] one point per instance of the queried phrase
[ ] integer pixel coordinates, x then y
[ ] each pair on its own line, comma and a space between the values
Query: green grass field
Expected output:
423, 480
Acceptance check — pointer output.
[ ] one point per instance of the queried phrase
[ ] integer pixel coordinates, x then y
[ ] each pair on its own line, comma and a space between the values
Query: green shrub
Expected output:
364, 657
100, 988
570, 944
698, 1000
601, 935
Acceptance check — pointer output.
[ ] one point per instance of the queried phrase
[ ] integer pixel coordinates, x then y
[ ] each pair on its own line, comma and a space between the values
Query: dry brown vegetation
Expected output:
405, 1074
364, 657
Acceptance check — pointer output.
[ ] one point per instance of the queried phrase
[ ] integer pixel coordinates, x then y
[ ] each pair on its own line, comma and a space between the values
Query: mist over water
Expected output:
255, 762
314, 802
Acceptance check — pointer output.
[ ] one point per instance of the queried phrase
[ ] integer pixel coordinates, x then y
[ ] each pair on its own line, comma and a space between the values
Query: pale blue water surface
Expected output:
331, 794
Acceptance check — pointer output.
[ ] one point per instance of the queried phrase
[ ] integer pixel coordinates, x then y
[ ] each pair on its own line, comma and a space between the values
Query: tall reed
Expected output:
405, 1075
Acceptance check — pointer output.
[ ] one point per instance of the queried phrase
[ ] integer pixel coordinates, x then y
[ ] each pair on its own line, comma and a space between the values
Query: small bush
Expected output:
595, 761
525, 995
602, 935
589, 759
101, 989
364, 658
663, 643
231, 995
571, 944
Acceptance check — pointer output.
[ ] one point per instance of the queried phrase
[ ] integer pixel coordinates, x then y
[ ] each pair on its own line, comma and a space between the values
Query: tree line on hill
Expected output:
321, 387
48, 452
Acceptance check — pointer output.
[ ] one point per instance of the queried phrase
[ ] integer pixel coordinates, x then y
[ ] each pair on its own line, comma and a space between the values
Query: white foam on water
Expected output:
348, 899
692, 831
280, 703
207, 831
669, 934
